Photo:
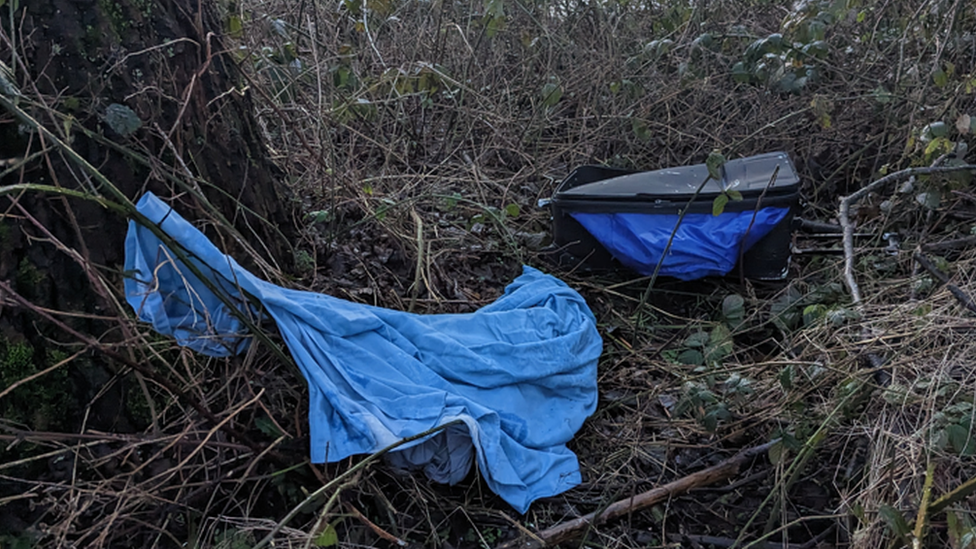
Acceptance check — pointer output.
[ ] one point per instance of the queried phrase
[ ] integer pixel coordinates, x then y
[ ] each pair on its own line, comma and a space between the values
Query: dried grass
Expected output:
407, 188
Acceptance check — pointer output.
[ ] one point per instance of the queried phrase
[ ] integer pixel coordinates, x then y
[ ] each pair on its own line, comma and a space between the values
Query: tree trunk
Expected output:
92, 61
148, 93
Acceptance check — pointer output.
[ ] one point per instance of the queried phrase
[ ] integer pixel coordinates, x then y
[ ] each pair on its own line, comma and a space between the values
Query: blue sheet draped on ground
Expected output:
519, 373
704, 244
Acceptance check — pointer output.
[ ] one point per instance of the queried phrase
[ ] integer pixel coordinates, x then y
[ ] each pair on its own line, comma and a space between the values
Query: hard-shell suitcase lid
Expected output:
750, 176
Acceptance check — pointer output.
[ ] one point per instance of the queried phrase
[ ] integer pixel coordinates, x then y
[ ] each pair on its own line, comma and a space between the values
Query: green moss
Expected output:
304, 262
145, 7
28, 276
40, 403
5, 242
71, 103
135, 403
116, 16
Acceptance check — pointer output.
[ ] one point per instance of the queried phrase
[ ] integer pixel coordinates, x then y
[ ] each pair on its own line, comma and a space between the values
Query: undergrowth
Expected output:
421, 137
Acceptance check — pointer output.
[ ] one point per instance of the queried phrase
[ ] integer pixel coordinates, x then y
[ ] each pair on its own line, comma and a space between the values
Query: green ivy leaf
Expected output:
512, 210
813, 313
268, 427
495, 12
960, 439
714, 163
734, 194
720, 344
328, 538
697, 340
929, 199
733, 309
894, 520
786, 378
495, 24
640, 129
235, 27
881, 95
703, 41
552, 92
718, 205
710, 421
319, 216
816, 49
935, 129
691, 357
740, 74
817, 29
122, 119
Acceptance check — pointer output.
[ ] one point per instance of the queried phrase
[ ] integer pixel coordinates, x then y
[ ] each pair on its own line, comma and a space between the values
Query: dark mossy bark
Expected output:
166, 61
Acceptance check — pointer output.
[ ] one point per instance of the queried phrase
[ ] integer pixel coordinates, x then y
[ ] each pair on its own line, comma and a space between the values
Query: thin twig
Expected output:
340, 480
954, 244
845, 222
42, 373
718, 541
418, 273
956, 291
755, 212
372, 526
923, 517
667, 248
573, 528
93, 344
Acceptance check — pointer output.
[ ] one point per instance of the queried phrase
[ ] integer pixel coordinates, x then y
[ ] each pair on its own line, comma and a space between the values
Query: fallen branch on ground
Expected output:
572, 529
956, 291
954, 244
844, 215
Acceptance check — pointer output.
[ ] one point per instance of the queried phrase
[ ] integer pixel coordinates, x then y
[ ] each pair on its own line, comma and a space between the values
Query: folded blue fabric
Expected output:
704, 244
520, 373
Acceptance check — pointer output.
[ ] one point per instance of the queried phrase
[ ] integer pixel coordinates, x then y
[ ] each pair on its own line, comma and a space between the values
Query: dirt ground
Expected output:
420, 141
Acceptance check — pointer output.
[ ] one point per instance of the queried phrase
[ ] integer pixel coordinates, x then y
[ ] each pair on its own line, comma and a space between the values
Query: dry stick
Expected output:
845, 222
570, 530
418, 273
667, 247
964, 242
729, 542
119, 357
957, 292
36, 375
755, 212
340, 481
922, 519
99, 284
372, 526
959, 493
127, 208
52, 436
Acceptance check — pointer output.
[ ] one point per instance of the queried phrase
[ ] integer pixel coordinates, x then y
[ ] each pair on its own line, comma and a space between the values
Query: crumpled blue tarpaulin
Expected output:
704, 245
519, 373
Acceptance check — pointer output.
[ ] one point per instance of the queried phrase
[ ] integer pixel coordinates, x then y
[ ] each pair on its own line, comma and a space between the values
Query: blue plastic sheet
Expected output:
520, 373
704, 244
